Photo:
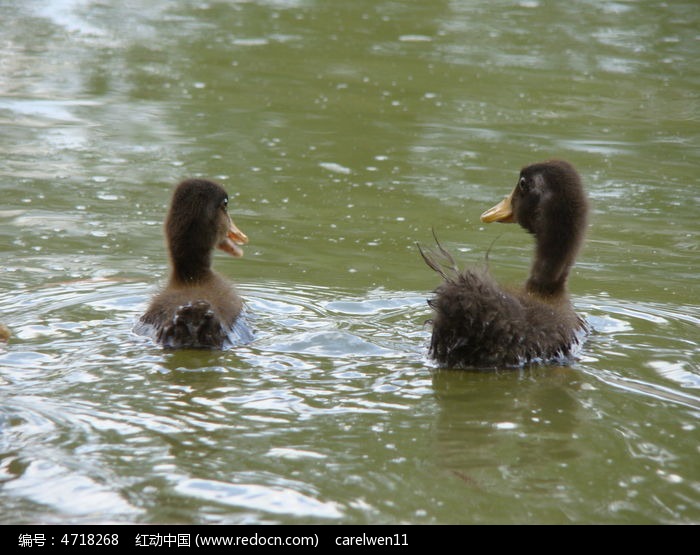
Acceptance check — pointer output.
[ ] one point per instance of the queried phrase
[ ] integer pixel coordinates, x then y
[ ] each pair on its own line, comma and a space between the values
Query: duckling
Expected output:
477, 323
198, 307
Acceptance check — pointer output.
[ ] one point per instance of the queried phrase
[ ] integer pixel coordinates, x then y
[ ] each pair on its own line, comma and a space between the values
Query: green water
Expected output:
344, 132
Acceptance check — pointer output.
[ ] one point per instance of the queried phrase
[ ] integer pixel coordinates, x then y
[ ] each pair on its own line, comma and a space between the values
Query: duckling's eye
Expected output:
523, 185
224, 204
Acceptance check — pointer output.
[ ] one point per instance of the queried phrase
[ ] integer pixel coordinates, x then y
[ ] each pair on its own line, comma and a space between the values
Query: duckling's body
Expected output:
194, 316
479, 324
198, 308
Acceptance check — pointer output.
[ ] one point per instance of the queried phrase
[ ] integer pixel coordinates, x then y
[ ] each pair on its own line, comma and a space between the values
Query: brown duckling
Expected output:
198, 308
479, 324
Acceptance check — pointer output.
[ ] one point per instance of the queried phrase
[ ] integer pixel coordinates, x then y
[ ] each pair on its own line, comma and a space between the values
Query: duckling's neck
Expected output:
191, 268
554, 257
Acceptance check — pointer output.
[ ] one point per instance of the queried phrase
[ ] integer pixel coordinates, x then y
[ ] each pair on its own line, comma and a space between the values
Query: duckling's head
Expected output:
197, 222
549, 202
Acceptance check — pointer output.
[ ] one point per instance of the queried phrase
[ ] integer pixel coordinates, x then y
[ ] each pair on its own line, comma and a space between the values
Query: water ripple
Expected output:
272, 499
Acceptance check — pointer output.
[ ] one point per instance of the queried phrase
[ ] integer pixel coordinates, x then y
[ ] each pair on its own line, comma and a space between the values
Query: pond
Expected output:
345, 133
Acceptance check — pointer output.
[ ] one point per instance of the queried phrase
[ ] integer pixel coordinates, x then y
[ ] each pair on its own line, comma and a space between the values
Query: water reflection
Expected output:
532, 397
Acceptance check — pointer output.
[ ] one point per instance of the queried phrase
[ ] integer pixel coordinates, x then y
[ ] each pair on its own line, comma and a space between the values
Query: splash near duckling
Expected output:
479, 324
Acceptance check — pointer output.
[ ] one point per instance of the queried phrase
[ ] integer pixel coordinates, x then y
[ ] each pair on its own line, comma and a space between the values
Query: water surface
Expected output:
344, 132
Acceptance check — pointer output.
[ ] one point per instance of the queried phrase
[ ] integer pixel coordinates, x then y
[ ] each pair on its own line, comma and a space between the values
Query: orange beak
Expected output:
234, 238
502, 212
